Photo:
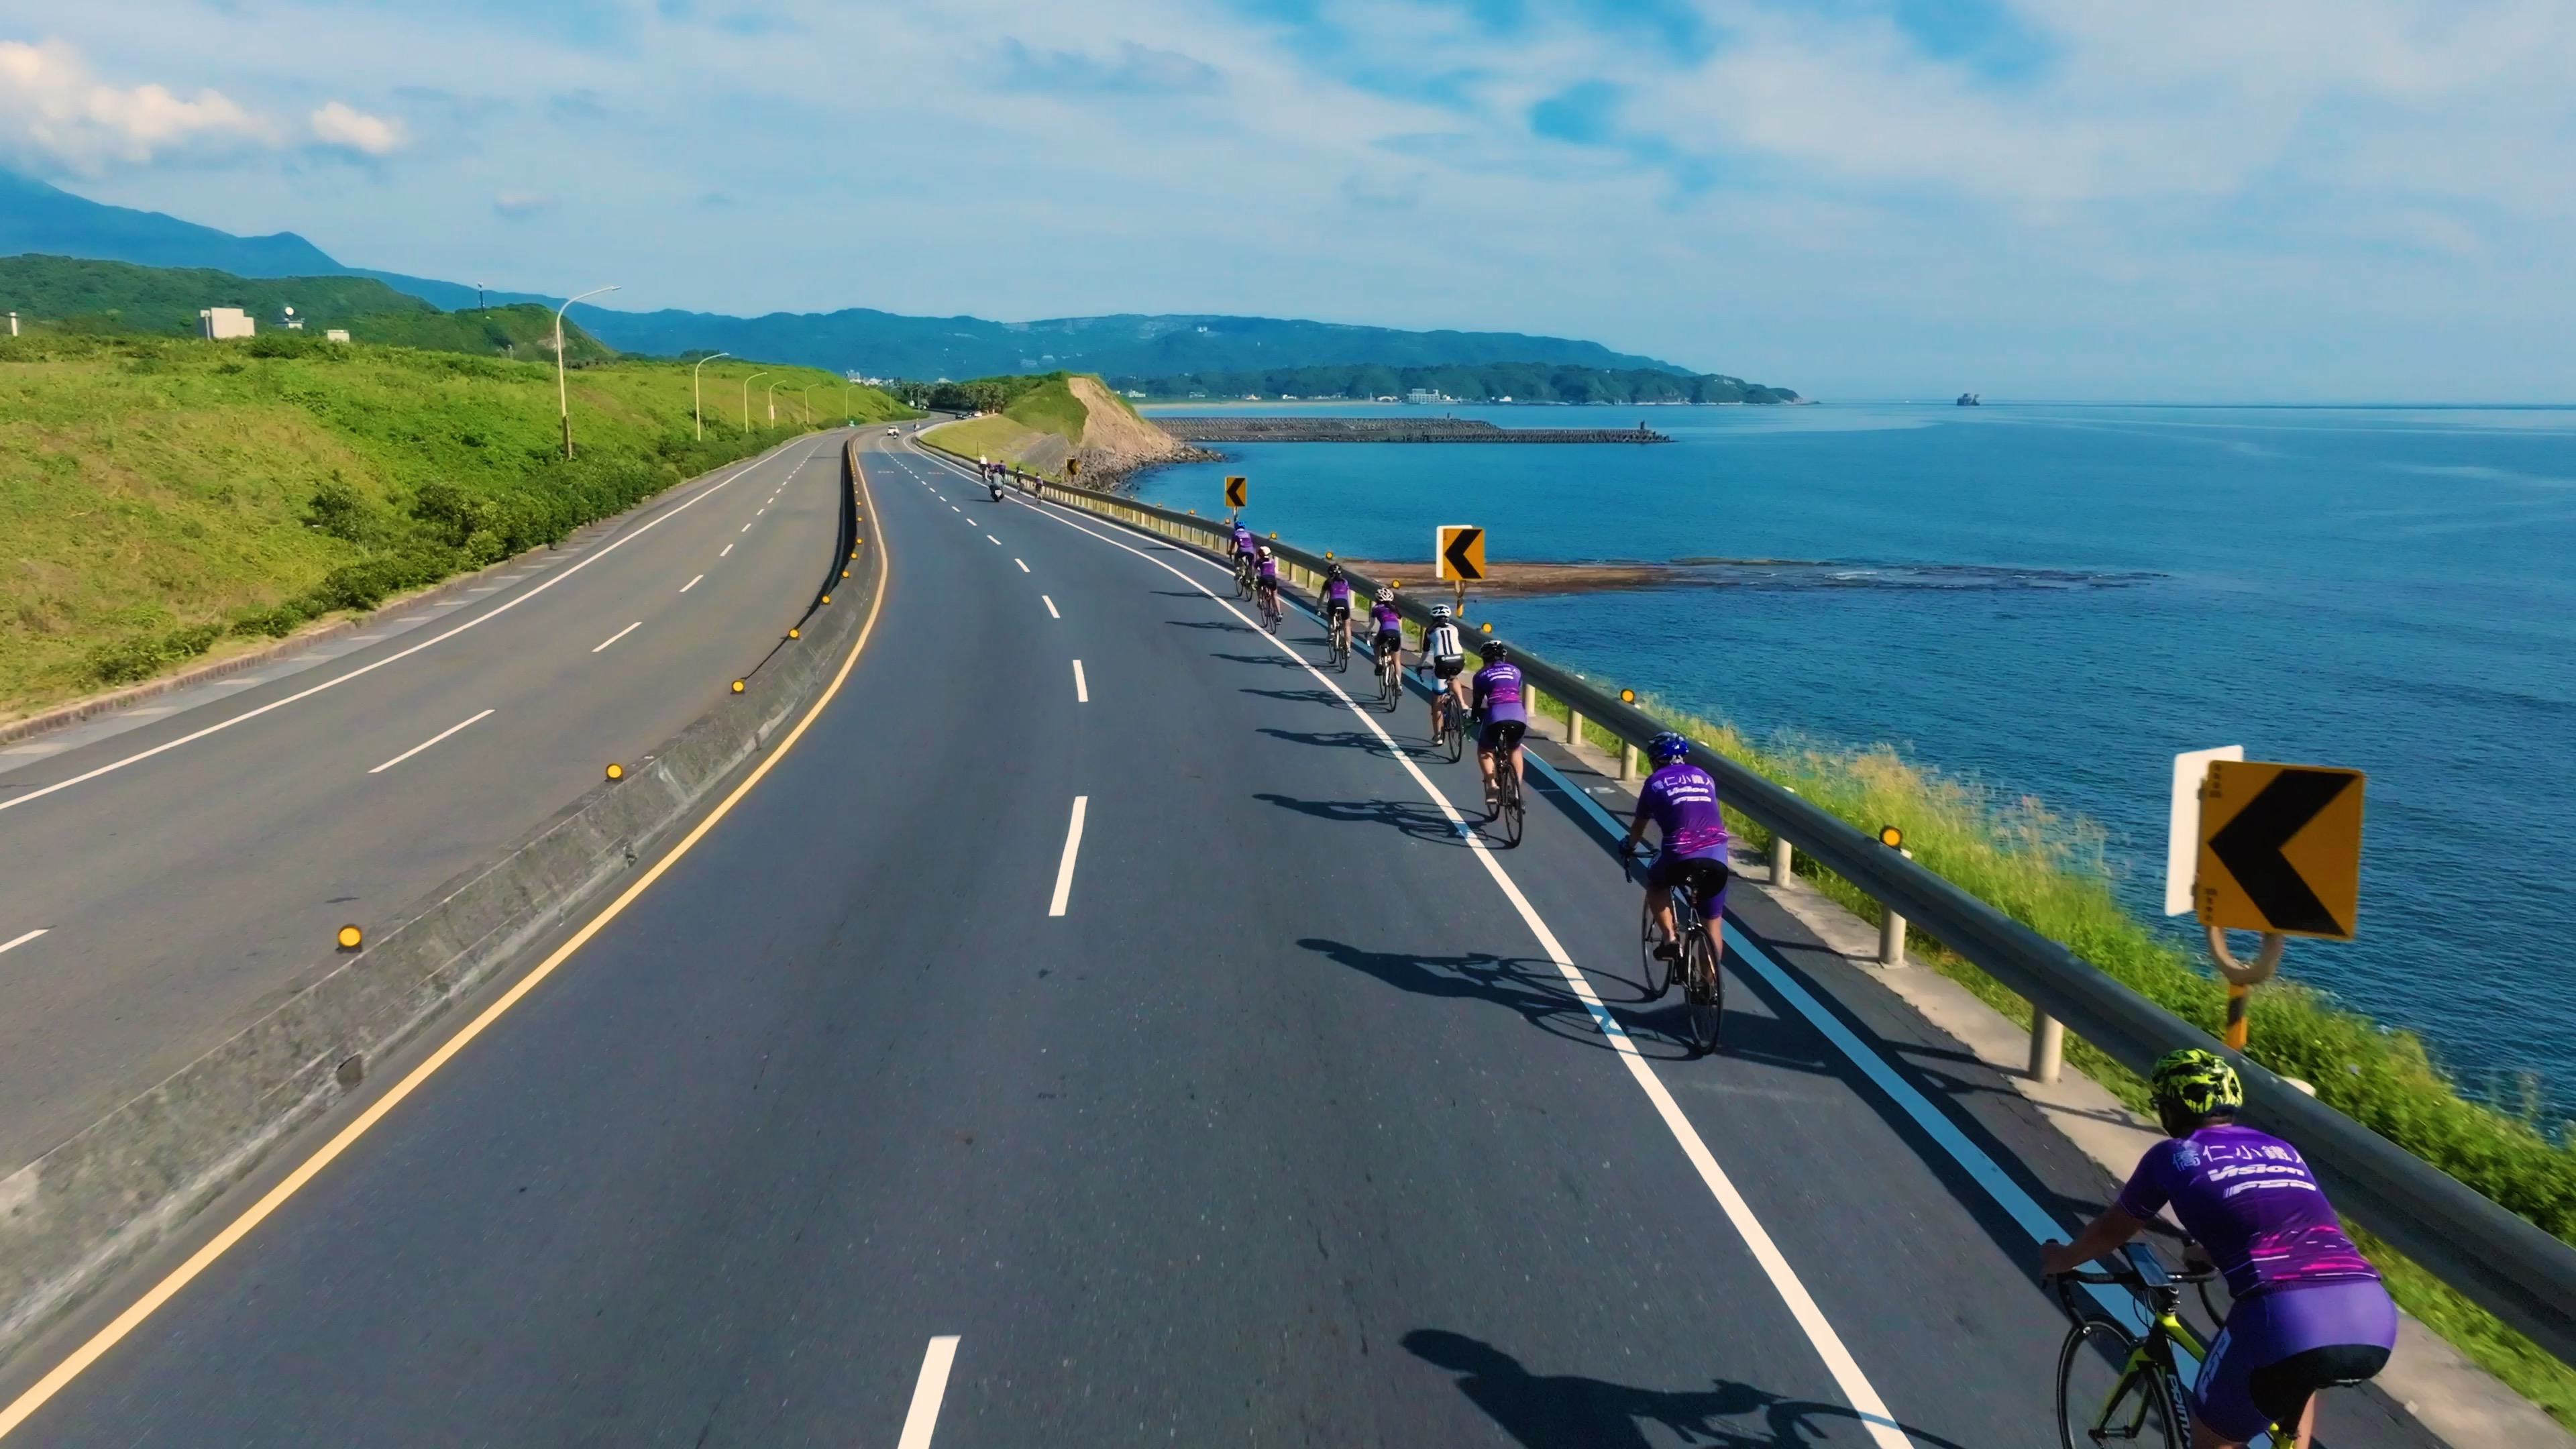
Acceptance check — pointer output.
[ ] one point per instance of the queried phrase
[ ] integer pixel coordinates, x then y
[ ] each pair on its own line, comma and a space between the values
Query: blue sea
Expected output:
2055, 599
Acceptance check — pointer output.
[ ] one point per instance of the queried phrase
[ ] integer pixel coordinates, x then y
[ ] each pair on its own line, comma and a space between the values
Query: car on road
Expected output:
893, 432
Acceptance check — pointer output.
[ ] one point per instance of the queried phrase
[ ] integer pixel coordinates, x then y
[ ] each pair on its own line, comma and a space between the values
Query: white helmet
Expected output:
1265, 550
1440, 611
1385, 595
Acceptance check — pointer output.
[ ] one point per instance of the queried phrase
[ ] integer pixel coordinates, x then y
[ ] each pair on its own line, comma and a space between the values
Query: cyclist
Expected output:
1390, 628
1337, 605
1496, 695
1681, 799
1244, 544
2309, 1311
1265, 581
1445, 656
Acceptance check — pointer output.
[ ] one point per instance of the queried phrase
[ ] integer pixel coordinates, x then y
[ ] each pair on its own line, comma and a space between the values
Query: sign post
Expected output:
2279, 851
1458, 555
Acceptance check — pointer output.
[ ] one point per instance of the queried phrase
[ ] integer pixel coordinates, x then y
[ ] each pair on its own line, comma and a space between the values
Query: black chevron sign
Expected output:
1462, 552
2280, 848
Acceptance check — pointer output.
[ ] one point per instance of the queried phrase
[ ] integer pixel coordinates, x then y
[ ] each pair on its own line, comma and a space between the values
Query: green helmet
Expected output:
2194, 1084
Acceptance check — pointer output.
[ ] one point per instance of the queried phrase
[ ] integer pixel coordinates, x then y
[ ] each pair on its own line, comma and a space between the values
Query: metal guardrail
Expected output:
2501, 1262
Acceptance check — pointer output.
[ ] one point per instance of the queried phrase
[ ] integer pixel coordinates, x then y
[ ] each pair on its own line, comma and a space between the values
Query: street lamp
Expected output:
697, 401
746, 398
772, 395
563, 398
845, 402
808, 403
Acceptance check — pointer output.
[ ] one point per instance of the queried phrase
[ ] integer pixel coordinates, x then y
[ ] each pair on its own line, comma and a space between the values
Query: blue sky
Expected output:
2353, 200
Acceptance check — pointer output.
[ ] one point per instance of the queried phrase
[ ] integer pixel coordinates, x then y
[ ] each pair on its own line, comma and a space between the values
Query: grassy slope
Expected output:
151, 486
986, 437
1051, 407
2047, 871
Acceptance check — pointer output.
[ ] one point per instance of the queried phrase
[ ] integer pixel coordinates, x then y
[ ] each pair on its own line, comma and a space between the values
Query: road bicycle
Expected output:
1337, 645
1695, 966
1268, 594
1243, 576
1449, 730
1508, 812
2114, 1387
1390, 677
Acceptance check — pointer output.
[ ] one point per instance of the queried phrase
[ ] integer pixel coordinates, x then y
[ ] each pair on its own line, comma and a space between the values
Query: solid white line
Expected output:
1081, 687
927, 1391
620, 634
1072, 848
424, 744
691, 584
23, 940
1050, 603
995, 542
1865, 1402
728, 548
1024, 568
504, 607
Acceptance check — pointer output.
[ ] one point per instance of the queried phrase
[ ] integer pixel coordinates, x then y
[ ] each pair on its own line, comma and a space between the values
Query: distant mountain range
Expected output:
36, 217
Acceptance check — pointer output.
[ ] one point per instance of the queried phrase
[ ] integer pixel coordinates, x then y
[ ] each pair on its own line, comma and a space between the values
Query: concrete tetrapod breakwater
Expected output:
99, 1201
1191, 429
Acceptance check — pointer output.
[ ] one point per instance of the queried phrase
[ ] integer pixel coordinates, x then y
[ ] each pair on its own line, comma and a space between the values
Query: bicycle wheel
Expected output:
1453, 733
1659, 976
2106, 1395
1507, 800
1703, 991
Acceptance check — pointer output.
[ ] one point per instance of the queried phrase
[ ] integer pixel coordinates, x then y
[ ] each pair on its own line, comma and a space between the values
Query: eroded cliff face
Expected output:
1115, 442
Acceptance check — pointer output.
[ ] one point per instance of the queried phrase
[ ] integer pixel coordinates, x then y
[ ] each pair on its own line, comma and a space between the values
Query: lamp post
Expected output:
772, 394
845, 402
746, 399
563, 397
697, 399
808, 403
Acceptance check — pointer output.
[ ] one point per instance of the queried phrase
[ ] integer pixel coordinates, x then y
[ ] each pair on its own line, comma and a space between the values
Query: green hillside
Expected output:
66, 295
162, 498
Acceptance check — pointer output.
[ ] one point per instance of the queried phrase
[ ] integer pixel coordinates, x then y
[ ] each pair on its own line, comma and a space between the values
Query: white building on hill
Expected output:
219, 323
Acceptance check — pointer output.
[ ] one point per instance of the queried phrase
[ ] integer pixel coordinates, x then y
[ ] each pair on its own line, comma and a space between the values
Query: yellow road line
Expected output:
239, 1228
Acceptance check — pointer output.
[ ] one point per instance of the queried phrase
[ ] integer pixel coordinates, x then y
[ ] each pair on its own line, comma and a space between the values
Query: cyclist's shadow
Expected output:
1569, 1411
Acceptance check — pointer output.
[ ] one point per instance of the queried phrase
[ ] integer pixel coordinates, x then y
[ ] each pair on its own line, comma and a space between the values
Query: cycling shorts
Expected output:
2283, 1345
1448, 669
1337, 608
1499, 735
1706, 874
1389, 641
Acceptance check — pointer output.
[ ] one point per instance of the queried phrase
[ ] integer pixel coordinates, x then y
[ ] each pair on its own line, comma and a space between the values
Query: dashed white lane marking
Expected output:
995, 542
620, 634
927, 1391
1050, 603
506, 606
425, 744
746, 528
15, 942
691, 584
728, 548
953, 508
1867, 1405
1024, 568
1072, 848
1081, 686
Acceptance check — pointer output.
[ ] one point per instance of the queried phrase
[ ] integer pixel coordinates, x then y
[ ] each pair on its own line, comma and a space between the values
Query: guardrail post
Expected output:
1782, 858
1573, 724
1627, 760
2047, 1045
1891, 938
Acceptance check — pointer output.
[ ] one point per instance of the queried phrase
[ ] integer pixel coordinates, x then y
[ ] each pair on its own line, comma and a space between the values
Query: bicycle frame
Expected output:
2153, 1351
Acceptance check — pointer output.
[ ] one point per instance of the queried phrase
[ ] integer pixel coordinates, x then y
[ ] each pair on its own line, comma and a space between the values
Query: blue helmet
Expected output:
1667, 747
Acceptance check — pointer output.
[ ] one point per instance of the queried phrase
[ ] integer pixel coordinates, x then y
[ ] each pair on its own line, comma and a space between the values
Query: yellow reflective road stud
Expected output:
1459, 552
2280, 848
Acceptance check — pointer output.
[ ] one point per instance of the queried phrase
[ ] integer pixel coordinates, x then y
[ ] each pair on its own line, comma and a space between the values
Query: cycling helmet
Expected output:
1440, 611
2191, 1086
1497, 652
1667, 747
1265, 550
1385, 595
1332, 571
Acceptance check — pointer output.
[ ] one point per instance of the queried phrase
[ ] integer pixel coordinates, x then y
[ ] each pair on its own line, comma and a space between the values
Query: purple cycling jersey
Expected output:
1270, 569
2248, 1199
1337, 591
1497, 693
1243, 542
1388, 620
1681, 799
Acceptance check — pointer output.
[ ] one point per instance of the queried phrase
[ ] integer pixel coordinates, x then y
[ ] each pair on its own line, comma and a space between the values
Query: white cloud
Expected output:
340, 124
56, 116
521, 203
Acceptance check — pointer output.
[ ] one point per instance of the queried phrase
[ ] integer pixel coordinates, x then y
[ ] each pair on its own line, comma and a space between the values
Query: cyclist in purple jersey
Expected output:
2310, 1311
1496, 697
1337, 605
1265, 579
1680, 799
1388, 623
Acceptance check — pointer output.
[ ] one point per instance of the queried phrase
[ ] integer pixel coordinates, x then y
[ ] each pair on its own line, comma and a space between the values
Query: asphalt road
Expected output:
1269, 1112
181, 894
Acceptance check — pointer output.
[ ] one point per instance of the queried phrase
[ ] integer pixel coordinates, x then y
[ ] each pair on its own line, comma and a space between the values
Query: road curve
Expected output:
185, 892
1142, 1053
